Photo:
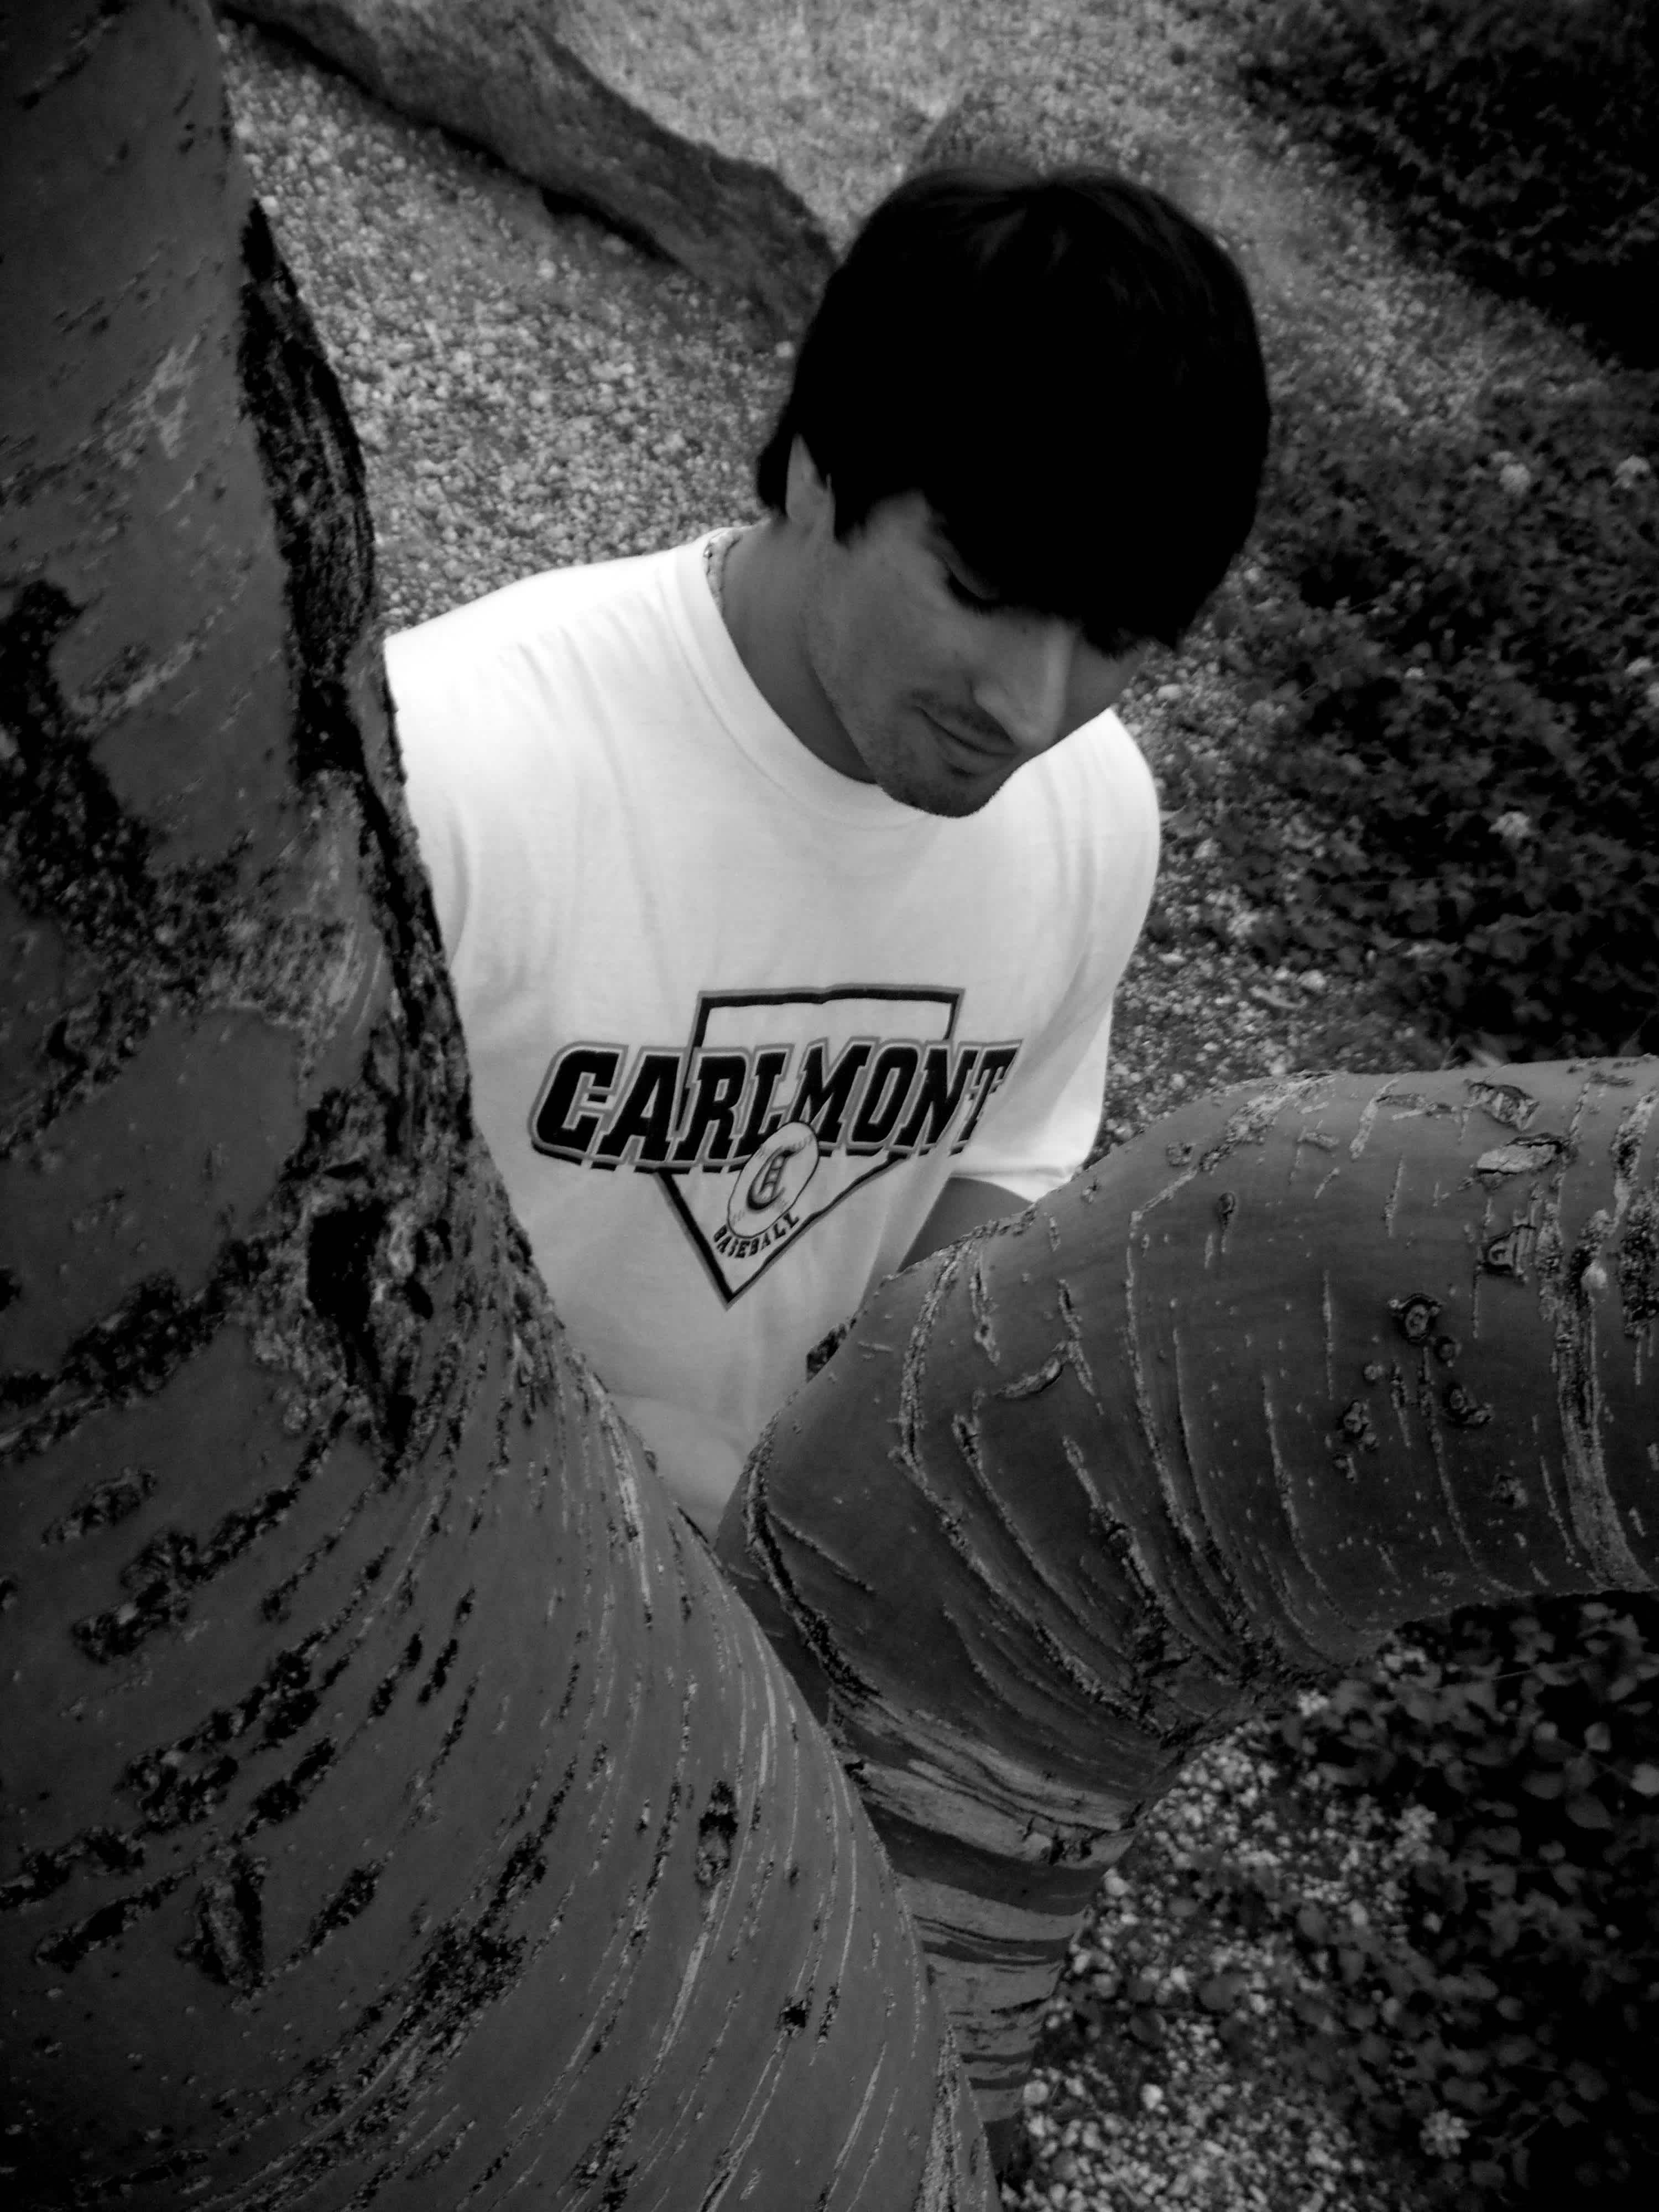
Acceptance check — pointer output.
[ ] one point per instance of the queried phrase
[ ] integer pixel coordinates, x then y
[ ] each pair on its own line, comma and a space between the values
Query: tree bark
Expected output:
395, 1804
1301, 1364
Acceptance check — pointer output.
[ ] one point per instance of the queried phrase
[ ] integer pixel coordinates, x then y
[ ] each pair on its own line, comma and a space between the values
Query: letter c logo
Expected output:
770, 1183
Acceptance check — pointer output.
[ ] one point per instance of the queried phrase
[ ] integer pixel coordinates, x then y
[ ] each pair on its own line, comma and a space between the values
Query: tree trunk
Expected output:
397, 1806
1301, 1364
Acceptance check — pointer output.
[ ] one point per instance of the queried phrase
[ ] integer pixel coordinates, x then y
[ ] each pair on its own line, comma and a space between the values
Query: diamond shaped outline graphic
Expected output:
708, 1001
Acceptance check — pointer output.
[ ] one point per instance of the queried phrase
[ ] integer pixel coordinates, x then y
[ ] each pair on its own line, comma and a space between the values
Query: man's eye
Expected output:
960, 593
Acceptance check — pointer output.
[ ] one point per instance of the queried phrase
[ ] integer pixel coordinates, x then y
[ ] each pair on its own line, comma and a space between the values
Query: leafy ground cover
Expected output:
1429, 1901
1509, 2008
1457, 649
1456, 652
1519, 137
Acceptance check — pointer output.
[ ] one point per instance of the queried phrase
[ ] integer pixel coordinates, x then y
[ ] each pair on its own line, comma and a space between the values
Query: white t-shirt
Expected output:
733, 1018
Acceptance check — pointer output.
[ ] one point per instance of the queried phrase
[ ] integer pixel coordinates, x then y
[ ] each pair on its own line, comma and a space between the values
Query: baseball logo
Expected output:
770, 1183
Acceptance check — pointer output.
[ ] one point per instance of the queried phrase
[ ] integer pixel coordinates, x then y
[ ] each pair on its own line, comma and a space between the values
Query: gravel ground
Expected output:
1175, 2070
532, 391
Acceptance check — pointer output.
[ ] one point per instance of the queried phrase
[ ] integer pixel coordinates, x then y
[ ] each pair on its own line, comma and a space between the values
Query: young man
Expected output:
786, 877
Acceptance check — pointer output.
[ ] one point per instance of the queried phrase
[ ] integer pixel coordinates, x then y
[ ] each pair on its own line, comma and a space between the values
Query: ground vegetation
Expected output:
1508, 2007
1518, 137
1456, 653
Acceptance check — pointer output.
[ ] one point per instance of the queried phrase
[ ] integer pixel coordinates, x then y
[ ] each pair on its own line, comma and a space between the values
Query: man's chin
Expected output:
949, 797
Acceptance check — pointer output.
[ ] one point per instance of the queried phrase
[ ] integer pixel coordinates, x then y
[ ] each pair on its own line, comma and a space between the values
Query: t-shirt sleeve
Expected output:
485, 704
1038, 1129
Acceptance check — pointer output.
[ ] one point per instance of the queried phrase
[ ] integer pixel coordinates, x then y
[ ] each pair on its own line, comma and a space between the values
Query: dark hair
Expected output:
1066, 367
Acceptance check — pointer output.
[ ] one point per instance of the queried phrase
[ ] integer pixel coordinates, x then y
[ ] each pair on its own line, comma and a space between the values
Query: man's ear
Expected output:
807, 495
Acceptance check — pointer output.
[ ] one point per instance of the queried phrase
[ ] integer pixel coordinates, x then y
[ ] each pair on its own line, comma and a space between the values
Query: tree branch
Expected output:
1301, 1363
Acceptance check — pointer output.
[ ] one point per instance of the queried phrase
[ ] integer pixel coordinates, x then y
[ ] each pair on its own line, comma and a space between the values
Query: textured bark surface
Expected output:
1300, 1365
394, 1803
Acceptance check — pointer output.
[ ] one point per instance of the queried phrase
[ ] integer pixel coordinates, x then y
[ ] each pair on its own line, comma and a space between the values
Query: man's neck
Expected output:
761, 603
739, 587
757, 603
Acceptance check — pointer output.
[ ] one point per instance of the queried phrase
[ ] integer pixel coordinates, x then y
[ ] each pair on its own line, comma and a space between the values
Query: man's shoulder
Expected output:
540, 674
542, 610
1095, 781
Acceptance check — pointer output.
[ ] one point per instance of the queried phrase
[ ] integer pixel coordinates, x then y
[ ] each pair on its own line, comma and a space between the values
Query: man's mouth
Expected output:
978, 750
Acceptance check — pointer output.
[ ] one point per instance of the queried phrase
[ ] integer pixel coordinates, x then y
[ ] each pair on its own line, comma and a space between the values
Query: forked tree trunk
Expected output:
1301, 1364
395, 1805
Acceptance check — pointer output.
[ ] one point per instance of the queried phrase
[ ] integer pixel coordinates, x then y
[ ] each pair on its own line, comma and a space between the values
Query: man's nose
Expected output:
1026, 688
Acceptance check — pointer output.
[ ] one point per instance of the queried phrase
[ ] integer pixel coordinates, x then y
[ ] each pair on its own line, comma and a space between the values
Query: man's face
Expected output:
932, 689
